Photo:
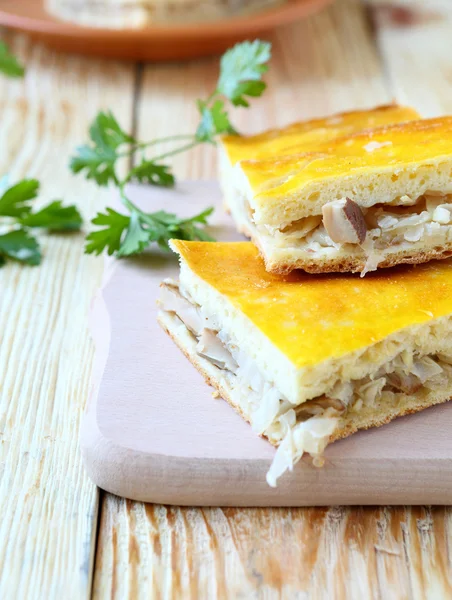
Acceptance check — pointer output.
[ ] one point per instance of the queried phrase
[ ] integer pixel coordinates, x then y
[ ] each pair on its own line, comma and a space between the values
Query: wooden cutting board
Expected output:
153, 432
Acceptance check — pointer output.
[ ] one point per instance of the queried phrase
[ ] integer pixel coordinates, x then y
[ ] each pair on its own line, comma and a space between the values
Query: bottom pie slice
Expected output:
309, 359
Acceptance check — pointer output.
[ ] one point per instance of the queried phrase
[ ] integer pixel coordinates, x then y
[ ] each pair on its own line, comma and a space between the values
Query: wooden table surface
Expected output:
59, 536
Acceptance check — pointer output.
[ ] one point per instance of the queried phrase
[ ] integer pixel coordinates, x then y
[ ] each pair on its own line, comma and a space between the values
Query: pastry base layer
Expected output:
352, 422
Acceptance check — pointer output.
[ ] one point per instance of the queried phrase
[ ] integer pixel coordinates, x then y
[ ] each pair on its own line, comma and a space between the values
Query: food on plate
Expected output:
309, 359
369, 199
140, 13
110, 14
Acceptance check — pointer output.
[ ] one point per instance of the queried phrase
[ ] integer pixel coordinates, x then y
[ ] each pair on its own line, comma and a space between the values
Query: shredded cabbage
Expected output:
266, 411
307, 427
311, 436
370, 391
425, 368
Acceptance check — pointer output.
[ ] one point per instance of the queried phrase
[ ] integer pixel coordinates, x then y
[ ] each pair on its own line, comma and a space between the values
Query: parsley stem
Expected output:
169, 138
129, 204
211, 97
143, 145
177, 150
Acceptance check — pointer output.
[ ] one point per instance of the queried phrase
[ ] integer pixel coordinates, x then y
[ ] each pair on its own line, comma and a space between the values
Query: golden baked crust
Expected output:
311, 319
370, 167
305, 136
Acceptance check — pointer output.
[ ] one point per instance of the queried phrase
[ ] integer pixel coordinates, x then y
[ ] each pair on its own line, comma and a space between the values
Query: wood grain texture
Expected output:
341, 553
48, 505
328, 63
414, 38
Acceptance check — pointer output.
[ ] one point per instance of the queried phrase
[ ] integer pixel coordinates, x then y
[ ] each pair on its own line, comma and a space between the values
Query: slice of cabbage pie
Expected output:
369, 199
309, 359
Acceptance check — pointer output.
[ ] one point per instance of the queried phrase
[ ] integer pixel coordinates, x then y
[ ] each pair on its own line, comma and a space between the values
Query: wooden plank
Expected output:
48, 505
327, 63
343, 553
414, 38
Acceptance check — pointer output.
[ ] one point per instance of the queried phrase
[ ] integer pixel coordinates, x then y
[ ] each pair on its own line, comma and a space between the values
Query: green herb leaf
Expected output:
9, 65
137, 238
242, 64
105, 131
150, 172
242, 68
123, 236
98, 163
15, 205
202, 216
54, 217
16, 201
214, 121
110, 237
248, 88
99, 158
20, 245
188, 229
164, 226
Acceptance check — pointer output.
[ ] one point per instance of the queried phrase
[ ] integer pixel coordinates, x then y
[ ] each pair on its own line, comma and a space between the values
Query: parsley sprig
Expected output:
241, 71
18, 220
124, 235
9, 65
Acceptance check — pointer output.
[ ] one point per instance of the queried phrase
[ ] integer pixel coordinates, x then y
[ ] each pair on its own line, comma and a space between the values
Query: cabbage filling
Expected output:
306, 427
397, 226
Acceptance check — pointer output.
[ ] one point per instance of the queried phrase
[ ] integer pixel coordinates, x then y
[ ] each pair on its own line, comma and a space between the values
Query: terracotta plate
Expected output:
150, 43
